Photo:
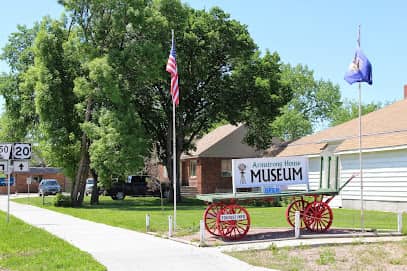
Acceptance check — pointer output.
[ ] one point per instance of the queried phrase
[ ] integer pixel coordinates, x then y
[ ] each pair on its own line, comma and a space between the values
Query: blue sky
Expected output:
320, 34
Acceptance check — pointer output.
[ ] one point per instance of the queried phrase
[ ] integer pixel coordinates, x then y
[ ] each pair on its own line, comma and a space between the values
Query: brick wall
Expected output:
22, 187
208, 177
211, 180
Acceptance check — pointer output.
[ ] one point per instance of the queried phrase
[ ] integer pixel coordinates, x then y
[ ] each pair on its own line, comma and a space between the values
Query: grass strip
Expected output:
27, 248
131, 212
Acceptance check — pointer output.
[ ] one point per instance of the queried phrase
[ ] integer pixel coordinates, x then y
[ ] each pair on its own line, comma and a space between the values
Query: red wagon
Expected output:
226, 218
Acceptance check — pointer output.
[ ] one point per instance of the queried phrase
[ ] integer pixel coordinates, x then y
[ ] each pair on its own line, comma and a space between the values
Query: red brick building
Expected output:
208, 169
36, 174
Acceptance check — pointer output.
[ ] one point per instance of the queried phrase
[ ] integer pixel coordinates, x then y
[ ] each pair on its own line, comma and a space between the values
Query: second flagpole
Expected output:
362, 220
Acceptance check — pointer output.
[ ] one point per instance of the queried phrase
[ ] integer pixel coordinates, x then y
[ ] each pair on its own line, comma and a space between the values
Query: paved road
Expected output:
124, 250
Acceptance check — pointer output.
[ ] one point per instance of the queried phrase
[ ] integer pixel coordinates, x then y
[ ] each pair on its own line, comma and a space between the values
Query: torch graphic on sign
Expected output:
242, 168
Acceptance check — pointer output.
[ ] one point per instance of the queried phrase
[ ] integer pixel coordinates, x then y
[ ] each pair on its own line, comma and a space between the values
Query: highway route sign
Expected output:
5, 151
22, 151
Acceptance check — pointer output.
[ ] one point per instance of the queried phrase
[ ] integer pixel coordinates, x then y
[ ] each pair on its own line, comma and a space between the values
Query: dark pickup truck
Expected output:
140, 185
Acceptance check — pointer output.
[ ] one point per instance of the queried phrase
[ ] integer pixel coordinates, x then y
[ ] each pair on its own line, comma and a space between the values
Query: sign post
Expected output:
4, 170
13, 151
8, 197
29, 181
5, 154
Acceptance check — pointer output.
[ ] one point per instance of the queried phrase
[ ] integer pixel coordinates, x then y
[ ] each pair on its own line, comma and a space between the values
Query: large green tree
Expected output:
100, 74
217, 64
51, 77
75, 89
350, 110
222, 75
19, 118
312, 104
257, 96
59, 90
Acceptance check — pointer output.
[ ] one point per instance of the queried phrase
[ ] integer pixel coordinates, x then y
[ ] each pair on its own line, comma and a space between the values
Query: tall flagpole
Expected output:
362, 224
174, 164
174, 157
360, 160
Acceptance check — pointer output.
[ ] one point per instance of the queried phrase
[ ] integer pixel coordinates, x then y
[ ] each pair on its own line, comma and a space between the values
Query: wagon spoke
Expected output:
297, 205
318, 216
234, 228
210, 217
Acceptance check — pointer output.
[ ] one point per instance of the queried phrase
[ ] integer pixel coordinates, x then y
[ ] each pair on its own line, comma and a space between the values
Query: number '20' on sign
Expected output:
22, 151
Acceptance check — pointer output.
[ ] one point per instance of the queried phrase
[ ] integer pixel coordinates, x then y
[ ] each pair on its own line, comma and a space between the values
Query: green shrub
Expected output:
62, 200
277, 202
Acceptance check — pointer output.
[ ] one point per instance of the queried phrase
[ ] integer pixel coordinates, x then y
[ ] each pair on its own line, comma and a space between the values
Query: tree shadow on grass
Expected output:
144, 204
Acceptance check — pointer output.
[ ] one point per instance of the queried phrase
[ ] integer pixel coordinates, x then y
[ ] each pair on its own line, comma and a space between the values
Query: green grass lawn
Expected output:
26, 248
130, 213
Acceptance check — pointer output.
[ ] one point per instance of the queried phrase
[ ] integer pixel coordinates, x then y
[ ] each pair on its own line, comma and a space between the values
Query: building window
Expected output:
192, 168
226, 168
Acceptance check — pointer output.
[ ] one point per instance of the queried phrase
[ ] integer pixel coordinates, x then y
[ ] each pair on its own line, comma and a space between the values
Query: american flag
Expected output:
172, 69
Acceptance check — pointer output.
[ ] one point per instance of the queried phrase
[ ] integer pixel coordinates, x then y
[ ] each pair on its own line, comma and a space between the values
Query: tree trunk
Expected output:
78, 190
94, 199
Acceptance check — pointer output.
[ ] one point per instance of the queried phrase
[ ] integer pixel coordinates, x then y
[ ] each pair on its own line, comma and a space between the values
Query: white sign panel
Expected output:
3, 166
262, 172
22, 151
233, 217
20, 166
5, 150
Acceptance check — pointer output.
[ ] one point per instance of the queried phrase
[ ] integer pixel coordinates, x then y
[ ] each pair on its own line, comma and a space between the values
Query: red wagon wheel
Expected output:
209, 217
233, 222
296, 205
318, 216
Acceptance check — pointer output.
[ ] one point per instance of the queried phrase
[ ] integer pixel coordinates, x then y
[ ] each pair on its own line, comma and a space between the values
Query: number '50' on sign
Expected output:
22, 151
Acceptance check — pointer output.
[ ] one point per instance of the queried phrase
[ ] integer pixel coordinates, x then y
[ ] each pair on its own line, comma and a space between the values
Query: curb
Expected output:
312, 240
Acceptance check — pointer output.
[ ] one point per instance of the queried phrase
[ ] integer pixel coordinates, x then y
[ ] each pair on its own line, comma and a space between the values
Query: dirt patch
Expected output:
357, 256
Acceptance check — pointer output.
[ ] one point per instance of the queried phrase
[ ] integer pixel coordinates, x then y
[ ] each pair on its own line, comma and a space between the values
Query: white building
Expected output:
384, 156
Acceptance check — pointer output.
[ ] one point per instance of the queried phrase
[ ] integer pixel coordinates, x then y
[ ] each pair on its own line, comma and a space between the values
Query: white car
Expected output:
89, 186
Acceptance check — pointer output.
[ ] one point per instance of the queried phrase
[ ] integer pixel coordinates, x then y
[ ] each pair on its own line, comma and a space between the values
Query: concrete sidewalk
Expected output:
120, 249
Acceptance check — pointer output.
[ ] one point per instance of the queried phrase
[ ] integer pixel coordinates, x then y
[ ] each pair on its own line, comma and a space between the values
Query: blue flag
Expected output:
360, 70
